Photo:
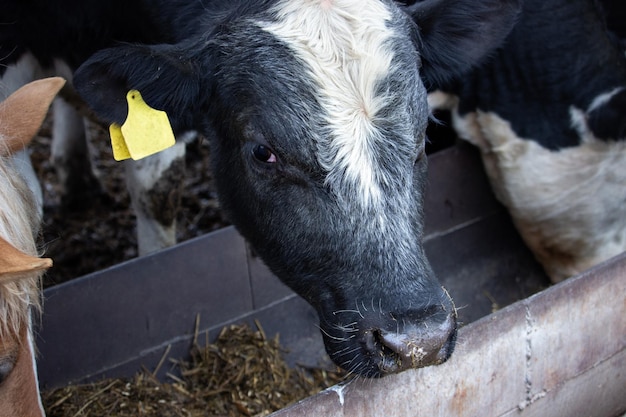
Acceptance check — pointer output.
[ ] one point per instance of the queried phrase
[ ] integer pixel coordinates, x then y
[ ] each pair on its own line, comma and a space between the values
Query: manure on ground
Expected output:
243, 373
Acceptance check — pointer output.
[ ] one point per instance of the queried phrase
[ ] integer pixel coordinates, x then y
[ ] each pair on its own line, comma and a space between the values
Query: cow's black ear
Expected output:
607, 120
165, 77
458, 34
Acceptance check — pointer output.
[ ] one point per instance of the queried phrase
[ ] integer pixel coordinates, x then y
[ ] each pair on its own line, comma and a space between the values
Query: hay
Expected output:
241, 374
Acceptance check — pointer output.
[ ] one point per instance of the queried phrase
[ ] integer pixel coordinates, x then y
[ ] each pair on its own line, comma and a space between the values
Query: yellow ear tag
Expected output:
146, 131
120, 150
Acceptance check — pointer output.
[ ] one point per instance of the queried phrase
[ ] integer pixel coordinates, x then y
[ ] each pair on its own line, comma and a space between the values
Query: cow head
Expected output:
316, 112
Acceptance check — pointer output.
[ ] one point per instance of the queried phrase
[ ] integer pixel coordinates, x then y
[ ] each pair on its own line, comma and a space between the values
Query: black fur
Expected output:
74, 29
558, 55
457, 35
608, 121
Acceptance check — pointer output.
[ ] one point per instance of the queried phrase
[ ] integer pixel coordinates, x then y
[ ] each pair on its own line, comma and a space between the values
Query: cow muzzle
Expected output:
378, 343
412, 344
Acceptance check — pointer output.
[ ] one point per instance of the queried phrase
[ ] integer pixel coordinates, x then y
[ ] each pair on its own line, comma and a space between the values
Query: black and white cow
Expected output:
316, 113
42, 38
548, 112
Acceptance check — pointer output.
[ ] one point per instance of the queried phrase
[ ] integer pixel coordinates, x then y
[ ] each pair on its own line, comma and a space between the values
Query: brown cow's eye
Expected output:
264, 154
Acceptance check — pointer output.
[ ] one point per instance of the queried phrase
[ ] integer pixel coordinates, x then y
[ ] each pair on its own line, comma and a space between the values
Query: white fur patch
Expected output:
343, 43
141, 178
568, 205
603, 98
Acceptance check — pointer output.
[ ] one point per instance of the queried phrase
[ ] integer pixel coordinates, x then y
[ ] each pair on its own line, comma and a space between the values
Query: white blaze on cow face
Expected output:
342, 43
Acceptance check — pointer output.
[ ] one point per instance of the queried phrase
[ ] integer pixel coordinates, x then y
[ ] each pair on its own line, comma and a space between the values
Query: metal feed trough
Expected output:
552, 351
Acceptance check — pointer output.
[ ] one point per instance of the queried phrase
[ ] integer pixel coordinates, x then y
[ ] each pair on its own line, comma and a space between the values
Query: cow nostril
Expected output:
388, 358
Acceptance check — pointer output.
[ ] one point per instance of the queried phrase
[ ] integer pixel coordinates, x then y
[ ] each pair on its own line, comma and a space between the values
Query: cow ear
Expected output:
457, 34
15, 263
165, 76
23, 112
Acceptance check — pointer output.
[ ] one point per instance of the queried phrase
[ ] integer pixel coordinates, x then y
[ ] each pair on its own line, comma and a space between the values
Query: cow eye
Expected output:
264, 154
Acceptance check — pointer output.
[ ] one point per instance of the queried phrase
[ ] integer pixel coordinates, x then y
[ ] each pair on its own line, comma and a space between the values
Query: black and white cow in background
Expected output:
42, 38
316, 113
548, 111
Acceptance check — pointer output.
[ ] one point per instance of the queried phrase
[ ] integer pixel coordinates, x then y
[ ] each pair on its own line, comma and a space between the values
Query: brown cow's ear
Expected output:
23, 112
14, 263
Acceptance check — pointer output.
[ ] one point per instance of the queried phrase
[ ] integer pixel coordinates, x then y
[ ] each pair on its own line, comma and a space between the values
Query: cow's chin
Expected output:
382, 343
